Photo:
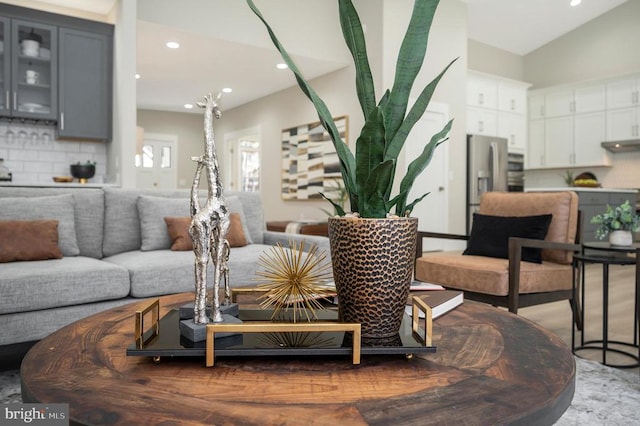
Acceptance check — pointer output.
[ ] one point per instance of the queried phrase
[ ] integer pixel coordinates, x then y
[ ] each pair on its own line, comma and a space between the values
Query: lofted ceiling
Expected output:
223, 44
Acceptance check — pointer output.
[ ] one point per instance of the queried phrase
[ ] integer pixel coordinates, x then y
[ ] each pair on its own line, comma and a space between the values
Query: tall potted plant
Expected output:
373, 250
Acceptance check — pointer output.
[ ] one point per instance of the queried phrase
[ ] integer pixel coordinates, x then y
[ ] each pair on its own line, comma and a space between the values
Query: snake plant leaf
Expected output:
415, 113
369, 147
409, 208
338, 208
345, 156
417, 166
354, 38
410, 59
373, 201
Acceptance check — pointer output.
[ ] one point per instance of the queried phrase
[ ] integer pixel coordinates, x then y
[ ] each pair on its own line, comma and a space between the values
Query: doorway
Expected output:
156, 165
243, 160
433, 211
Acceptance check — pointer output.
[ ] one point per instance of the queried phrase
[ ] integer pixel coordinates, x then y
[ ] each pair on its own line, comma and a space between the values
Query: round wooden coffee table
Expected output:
490, 367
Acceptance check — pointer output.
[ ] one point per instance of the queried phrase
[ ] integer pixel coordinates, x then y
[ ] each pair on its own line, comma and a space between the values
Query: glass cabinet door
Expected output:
5, 65
34, 70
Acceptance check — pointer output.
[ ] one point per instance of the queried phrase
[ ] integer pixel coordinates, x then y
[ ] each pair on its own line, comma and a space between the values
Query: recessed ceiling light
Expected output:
575, 2
137, 76
227, 90
173, 45
282, 66
188, 106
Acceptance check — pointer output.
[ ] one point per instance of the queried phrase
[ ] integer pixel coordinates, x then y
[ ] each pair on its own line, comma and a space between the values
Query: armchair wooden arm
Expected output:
516, 245
440, 235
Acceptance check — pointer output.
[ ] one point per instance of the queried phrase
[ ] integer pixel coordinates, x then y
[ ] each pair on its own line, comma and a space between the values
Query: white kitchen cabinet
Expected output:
559, 103
482, 121
623, 124
535, 158
482, 91
512, 97
589, 132
623, 109
536, 106
589, 98
497, 107
559, 141
514, 128
623, 92
575, 125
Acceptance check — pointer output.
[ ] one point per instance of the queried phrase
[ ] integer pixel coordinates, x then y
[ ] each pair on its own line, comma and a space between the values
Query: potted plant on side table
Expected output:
619, 223
373, 250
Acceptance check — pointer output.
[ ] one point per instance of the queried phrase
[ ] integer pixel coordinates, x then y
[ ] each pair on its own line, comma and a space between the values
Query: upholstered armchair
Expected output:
519, 252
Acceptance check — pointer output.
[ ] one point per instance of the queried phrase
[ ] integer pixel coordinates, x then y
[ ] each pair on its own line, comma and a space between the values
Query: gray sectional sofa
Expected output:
112, 255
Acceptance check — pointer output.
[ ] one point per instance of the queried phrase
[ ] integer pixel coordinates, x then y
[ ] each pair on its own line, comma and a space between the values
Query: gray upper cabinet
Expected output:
84, 85
66, 78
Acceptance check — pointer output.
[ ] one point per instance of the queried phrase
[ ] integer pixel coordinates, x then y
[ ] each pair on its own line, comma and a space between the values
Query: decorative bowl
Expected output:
83, 172
63, 179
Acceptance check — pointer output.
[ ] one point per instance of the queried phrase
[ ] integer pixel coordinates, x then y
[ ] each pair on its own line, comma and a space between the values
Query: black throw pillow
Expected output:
490, 235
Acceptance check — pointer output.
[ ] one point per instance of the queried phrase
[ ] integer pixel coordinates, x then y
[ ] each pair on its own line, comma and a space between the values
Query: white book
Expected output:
440, 302
422, 286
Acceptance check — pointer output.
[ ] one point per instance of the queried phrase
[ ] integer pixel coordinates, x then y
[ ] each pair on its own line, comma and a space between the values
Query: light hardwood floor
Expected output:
557, 316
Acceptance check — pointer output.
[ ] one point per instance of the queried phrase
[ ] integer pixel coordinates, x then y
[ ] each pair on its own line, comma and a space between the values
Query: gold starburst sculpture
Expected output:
294, 280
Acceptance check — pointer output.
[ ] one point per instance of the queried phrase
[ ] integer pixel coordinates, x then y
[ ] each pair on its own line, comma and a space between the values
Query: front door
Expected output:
156, 162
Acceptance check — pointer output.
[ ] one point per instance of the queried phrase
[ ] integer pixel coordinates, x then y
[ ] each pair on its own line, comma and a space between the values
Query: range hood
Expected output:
622, 146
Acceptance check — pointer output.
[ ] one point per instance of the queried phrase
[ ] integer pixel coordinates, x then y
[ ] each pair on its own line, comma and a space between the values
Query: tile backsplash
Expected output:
33, 155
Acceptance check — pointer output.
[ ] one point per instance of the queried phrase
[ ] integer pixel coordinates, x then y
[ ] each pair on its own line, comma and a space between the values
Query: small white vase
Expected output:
620, 238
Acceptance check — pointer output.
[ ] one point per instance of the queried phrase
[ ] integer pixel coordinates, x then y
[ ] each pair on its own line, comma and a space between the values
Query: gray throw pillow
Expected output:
55, 207
152, 211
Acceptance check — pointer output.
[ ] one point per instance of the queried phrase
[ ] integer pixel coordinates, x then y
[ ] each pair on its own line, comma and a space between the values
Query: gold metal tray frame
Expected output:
279, 327
154, 308
420, 305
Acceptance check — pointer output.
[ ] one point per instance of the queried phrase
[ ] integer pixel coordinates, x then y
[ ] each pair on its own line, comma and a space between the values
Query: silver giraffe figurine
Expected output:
210, 223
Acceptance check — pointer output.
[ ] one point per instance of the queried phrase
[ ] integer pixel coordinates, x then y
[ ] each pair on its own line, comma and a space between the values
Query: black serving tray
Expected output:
168, 342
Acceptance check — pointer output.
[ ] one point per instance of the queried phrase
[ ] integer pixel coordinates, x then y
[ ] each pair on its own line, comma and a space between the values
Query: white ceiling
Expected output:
217, 53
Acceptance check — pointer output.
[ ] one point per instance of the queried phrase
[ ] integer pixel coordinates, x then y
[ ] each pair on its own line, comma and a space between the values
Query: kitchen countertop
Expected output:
60, 185
585, 189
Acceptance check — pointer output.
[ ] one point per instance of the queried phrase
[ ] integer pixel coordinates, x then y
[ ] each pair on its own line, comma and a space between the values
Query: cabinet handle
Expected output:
513, 104
15, 101
481, 126
6, 99
481, 98
62, 121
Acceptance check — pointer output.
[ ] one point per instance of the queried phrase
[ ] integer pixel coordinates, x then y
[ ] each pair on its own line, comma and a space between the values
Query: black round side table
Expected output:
606, 254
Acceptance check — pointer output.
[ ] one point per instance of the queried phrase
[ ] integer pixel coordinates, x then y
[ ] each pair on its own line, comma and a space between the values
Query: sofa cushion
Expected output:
178, 229
122, 223
88, 212
153, 210
29, 240
45, 284
56, 207
161, 272
490, 235
490, 275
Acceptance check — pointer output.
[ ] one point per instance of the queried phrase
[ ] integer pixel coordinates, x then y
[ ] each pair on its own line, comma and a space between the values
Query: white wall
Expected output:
604, 47
491, 60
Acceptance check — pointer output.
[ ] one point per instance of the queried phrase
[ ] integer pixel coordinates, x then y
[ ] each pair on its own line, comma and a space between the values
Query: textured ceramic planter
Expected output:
372, 268
620, 238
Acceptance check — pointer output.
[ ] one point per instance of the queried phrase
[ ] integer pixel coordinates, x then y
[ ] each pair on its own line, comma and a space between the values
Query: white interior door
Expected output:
156, 165
433, 211
242, 160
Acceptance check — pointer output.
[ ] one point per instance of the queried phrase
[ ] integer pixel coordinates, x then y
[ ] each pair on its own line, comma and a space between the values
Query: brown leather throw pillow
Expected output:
29, 240
178, 228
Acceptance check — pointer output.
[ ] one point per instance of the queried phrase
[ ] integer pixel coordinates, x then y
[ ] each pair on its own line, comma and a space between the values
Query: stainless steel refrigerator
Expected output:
487, 169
